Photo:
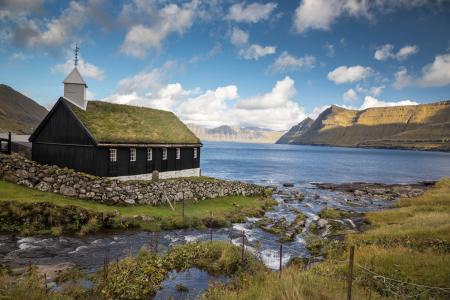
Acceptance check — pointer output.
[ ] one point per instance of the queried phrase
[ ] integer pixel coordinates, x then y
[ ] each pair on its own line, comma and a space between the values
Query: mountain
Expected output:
236, 134
295, 132
421, 127
18, 113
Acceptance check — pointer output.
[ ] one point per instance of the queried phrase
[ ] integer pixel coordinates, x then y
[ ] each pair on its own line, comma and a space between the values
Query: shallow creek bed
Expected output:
304, 213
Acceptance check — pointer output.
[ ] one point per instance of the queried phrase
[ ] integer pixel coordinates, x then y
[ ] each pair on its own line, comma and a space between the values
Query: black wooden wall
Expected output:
124, 166
64, 142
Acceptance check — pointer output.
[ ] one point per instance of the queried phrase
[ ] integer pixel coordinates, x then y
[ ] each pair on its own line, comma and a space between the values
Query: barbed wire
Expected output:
384, 278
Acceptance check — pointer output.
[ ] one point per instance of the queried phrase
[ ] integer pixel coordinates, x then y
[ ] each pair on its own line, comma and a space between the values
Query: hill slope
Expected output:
236, 134
423, 127
18, 113
296, 131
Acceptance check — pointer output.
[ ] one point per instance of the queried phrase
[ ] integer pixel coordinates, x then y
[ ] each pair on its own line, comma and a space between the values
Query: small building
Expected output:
113, 140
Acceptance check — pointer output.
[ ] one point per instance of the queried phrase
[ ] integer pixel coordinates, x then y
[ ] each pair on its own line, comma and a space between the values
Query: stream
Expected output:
299, 165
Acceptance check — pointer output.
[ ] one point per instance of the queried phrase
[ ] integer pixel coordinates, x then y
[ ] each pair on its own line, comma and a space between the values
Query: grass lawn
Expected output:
219, 207
408, 243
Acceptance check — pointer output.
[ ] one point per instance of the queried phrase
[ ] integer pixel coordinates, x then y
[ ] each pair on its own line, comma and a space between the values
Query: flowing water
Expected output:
258, 163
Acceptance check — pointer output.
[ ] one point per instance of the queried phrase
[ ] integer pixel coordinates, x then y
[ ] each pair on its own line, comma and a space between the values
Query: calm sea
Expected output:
269, 163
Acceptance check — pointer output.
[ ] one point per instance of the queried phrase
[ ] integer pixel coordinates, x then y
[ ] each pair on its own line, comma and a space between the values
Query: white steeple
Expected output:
75, 87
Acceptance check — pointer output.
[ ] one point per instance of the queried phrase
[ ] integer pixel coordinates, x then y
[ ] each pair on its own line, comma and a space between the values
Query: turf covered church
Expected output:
114, 140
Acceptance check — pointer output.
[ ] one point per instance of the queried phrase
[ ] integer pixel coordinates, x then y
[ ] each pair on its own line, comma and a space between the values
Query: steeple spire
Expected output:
76, 52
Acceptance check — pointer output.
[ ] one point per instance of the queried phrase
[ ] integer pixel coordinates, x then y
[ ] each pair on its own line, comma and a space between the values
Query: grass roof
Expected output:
118, 123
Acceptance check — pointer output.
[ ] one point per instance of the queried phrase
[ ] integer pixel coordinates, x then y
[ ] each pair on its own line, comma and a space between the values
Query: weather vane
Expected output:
76, 51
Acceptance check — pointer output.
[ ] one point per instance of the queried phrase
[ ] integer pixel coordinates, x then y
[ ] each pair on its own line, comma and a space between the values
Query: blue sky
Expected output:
263, 63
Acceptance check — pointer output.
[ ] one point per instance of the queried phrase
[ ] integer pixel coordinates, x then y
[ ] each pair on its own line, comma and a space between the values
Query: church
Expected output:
113, 140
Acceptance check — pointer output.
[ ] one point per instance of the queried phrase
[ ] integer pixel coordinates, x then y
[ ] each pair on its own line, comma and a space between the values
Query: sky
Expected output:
263, 64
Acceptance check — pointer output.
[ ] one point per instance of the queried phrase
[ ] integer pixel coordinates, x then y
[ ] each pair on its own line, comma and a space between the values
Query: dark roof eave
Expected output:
150, 145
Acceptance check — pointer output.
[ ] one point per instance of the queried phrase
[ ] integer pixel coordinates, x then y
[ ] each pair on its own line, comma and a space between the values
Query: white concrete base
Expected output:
162, 175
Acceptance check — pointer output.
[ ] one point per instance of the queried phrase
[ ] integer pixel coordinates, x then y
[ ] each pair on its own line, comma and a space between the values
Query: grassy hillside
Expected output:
423, 127
408, 247
18, 113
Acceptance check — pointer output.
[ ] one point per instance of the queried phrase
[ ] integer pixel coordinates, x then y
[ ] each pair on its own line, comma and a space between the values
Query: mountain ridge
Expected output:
236, 134
18, 113
419, 127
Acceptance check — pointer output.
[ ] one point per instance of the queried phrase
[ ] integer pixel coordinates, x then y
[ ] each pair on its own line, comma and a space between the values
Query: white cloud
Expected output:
239, 37
321, 14
286, 62
387, 51
402, 78
281, 93
251, 13
170, 19
330, 49
350, 95
374, 102
256, 51
18, 56
56, 32
436, 73
344, 74
317, 111
86, 69
14, 9
144, 81
377, 90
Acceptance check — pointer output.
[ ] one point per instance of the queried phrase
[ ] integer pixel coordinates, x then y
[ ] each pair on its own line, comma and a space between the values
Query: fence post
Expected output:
243, 246
45, 281
281, 258
9, 143
210, 226
350, 272
183, 210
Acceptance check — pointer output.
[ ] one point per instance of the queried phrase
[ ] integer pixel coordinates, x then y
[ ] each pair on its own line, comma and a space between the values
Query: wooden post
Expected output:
350, 273
9, 143
45, 282
243, 246
210, 226
281, 258
183, 210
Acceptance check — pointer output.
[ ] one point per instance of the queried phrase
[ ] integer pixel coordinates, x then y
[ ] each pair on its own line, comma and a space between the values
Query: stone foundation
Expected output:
162, 175
67, 182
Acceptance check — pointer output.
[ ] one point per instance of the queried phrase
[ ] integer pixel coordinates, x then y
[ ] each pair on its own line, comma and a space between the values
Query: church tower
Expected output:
74, 85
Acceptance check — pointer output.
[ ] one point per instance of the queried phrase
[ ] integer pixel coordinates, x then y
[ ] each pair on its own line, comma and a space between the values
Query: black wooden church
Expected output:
113, 140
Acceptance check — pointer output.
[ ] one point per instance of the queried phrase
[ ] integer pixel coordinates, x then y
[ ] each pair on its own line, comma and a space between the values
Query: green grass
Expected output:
221, 210
218, 206
137, 124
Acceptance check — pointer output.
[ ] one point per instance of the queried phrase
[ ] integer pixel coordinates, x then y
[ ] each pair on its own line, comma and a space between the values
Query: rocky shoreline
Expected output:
386, 191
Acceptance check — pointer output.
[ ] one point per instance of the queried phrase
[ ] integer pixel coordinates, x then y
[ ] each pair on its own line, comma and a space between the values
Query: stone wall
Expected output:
15, 168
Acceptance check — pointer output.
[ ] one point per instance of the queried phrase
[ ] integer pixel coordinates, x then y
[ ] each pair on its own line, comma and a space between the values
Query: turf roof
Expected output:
118, 123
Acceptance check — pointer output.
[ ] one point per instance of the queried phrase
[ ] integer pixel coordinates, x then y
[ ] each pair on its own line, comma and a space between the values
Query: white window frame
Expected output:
195, 153
112, 155
149, 154
178, 153
132, 154
164, 153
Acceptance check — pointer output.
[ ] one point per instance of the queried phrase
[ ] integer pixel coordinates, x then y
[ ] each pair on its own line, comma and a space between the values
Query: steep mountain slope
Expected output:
424, 127
236, 134
296, 131
18, 113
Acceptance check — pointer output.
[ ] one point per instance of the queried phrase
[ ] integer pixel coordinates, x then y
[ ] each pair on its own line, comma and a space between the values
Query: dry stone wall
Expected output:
67, 182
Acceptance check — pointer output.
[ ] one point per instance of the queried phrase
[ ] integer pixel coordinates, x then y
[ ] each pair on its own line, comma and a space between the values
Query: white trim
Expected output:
162, 175
178, 153
164, 153
195, 152
112, 155
132, 154
149, 154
